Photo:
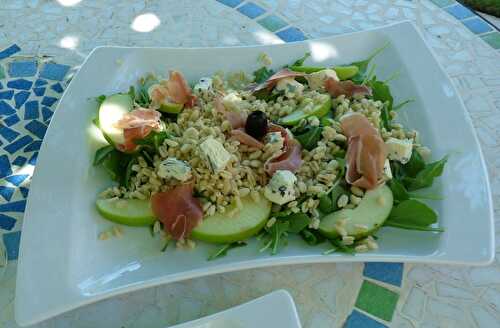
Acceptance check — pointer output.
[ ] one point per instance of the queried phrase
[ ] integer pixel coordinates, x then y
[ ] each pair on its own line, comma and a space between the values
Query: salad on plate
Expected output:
304, 150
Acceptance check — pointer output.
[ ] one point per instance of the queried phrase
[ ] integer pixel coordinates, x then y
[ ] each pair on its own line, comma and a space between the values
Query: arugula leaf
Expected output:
412, 214
325, 204
393, 224
116, 165
297, 222
339, 247
399, 191
153, 140
337, 191
310, 139
414, 165
102, 153
301, 60
306, 69
131, 92
312, 237
277, 235
262, 74
100, 99
382, 92
224, 249
402, 104
363, 64
425, 177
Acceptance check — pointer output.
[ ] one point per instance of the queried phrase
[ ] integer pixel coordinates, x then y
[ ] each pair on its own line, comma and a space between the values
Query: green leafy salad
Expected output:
305, 151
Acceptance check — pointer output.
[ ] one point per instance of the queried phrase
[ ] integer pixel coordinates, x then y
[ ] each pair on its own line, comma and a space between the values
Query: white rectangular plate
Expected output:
270, 311
62, 263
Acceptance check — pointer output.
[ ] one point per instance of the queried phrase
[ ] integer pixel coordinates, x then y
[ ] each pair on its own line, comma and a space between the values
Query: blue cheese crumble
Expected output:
215, 155
174, 168
280, 189
399, 149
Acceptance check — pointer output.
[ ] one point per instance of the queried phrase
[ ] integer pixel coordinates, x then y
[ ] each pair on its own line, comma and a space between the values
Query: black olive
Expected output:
256, 124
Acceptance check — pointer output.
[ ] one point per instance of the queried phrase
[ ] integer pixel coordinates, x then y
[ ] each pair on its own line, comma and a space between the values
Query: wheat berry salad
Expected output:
311, 151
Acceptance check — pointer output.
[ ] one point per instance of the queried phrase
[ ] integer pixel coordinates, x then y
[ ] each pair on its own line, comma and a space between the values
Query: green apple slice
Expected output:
371, 212
171, 108
220, 228
320, 109
132, 212
111, 111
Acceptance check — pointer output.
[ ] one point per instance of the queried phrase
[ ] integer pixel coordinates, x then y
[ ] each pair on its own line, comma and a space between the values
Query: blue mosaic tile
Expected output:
51, 71
272, 23
31, 110
22, 68
37, 128
477, 25
39, 91
33, 159
391, 273
9, 51
48, 101
24, 191
18, 206
360, 320
7, 222
46, 114
1, 86
6, 109
230, 3
20, 84
8, 94
251, 10
7, 192
40, 82
17, 179
5, 169
11, 120
2, 72
57, 88
459, 12
19, 161
18, 144
11, 241
20, 98
34, 146
291, 34
8, 134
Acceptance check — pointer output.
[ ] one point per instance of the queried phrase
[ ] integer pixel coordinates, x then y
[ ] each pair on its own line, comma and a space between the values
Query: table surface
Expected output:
327, 295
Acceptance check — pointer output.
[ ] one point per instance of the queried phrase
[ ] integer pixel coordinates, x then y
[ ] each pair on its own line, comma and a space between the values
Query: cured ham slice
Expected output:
236, 119
275, 78
174, 90
178, 210
136, 125
246, 139
366, 151
347, 88
289, 158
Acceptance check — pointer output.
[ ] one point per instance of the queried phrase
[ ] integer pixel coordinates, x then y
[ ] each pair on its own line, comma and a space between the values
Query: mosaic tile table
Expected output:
55, 36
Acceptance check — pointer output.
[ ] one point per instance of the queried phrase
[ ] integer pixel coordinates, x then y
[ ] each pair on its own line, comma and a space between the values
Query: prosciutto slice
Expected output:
275, 78
237, 120
174, 90
366, 151
136, 125
289, 158
246, 139
178, 210
347, 88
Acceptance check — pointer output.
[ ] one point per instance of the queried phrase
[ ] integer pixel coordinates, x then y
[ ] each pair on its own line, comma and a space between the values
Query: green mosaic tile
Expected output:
377, 300
272, 23
493, 39
443, 3
2, 72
